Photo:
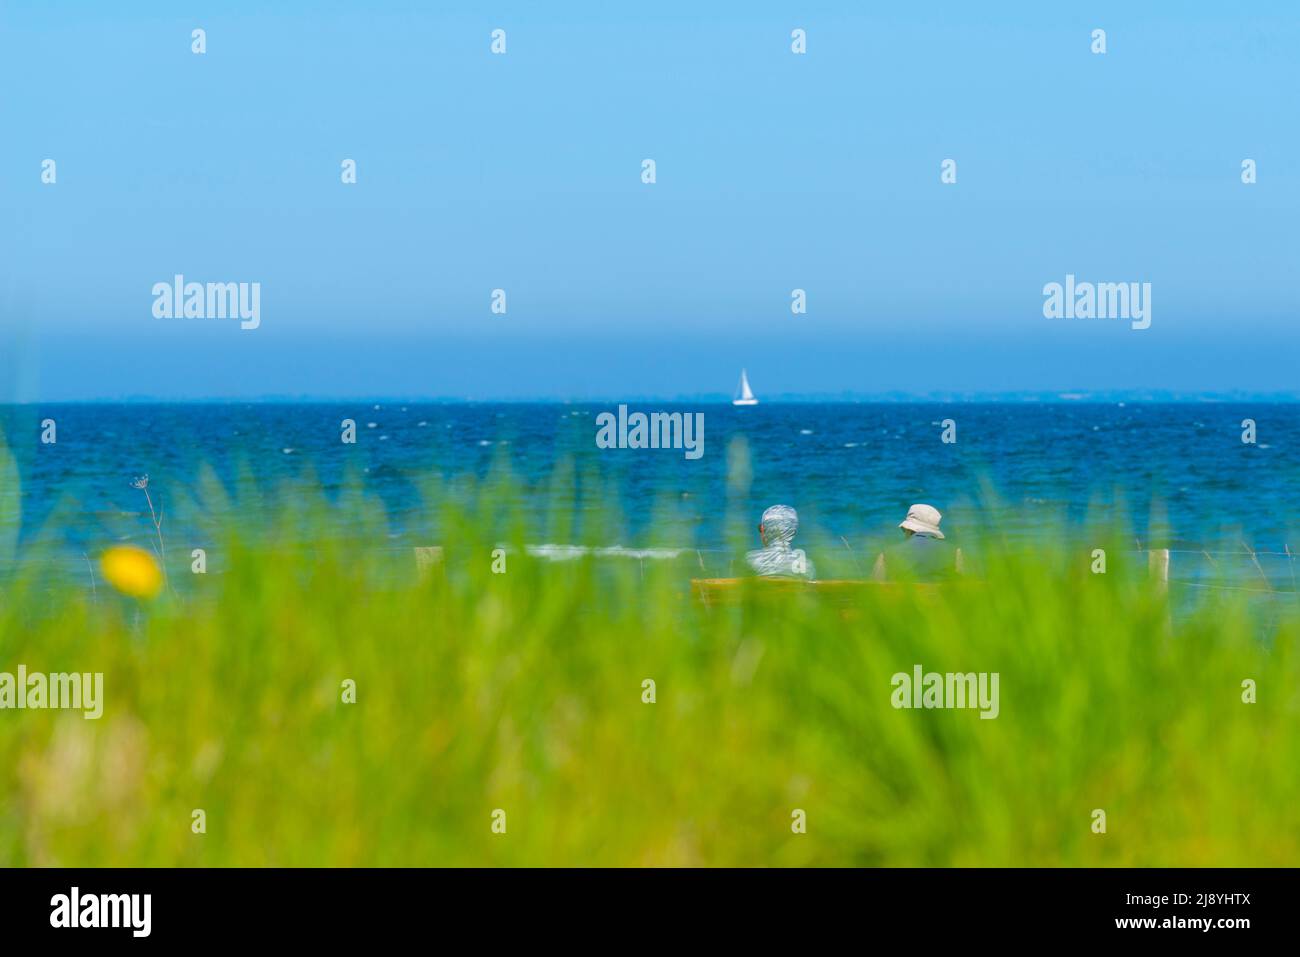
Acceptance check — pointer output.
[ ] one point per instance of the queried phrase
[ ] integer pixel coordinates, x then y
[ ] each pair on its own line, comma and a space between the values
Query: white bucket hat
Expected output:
923, 519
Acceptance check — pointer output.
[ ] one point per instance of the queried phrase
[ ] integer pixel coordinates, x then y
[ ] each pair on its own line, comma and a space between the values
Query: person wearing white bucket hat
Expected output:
922, 520
923, 555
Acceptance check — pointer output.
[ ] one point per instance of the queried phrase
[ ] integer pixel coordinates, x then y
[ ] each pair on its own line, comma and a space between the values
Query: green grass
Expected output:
523, 691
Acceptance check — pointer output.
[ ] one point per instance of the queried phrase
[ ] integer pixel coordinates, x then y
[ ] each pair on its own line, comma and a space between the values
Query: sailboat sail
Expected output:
746, 394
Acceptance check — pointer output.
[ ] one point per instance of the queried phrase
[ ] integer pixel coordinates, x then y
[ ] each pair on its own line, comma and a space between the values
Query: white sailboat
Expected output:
746, 394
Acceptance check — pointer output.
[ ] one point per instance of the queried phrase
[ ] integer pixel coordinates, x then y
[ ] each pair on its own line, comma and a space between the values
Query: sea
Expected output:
1173, 475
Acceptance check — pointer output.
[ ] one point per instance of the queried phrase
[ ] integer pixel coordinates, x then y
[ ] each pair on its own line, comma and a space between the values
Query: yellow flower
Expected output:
132, 571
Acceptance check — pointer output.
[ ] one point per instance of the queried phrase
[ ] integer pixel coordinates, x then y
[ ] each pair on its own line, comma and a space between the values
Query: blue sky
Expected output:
522, 172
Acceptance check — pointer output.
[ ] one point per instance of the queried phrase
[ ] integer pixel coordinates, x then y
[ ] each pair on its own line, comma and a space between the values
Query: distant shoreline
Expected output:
1062, 399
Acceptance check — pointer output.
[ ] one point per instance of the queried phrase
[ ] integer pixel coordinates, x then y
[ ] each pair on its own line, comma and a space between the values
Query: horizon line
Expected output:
1023, 397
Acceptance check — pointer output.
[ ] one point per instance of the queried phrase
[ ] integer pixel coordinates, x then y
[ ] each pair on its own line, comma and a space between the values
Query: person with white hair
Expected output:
776, 530
922, 555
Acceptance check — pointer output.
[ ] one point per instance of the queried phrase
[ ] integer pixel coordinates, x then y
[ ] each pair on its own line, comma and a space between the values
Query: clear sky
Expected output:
522, 171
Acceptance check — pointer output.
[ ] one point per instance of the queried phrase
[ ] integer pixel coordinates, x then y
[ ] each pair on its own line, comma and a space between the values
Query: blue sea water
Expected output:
1179, 475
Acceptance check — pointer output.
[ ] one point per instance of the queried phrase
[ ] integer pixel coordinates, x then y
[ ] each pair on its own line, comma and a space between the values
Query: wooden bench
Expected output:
730, 591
